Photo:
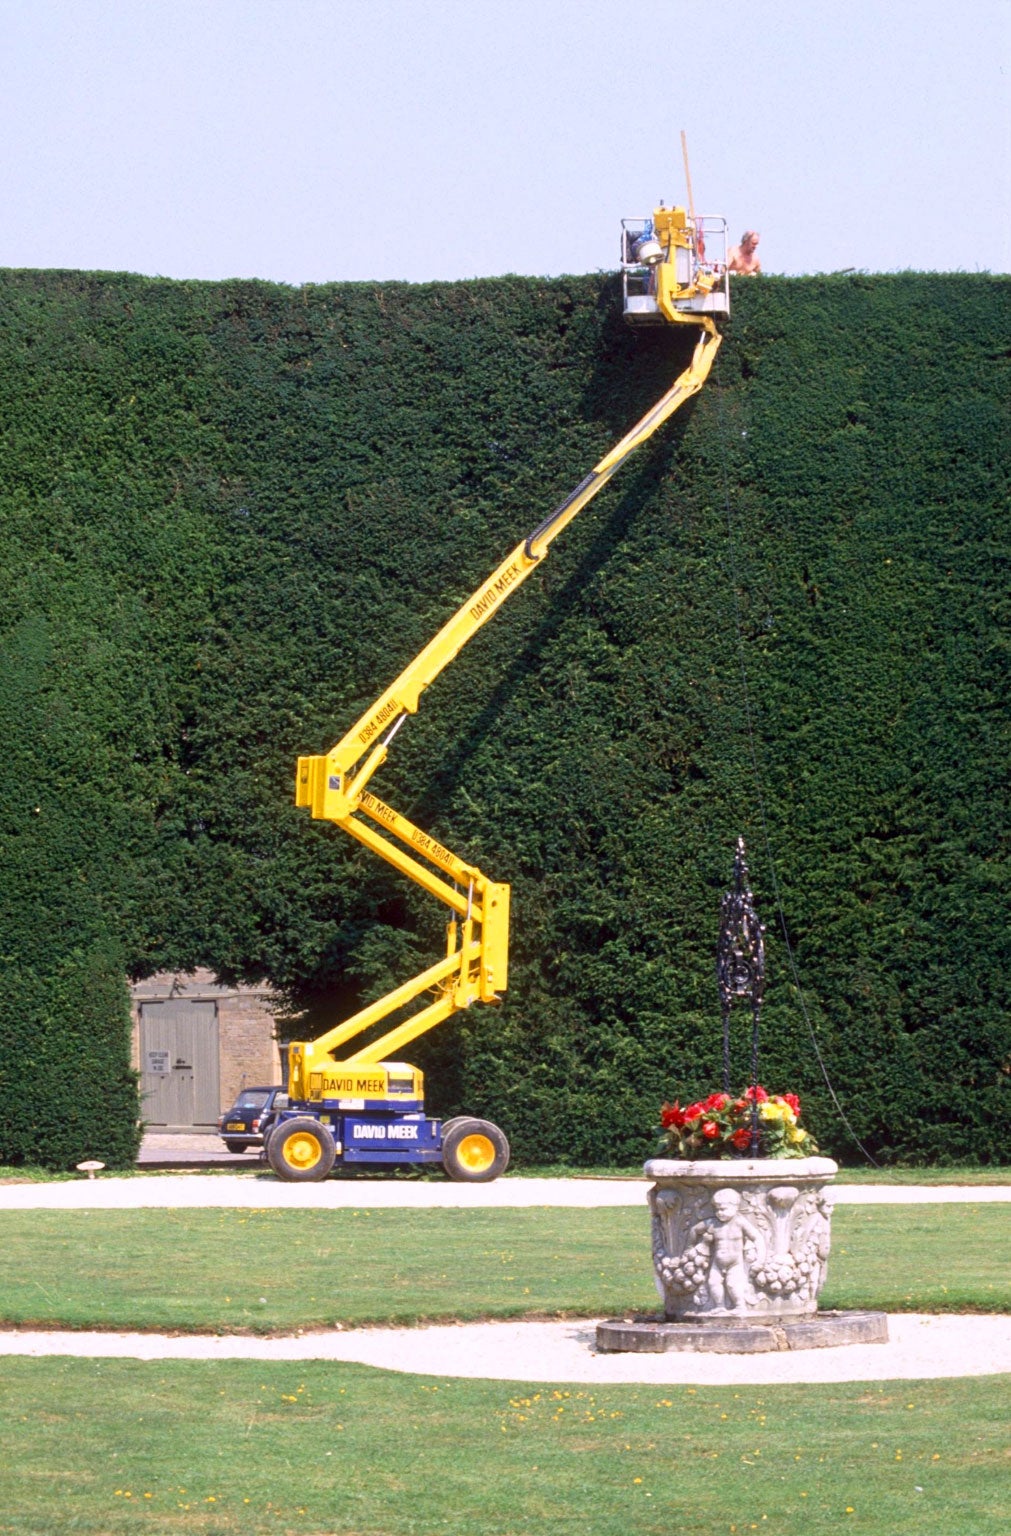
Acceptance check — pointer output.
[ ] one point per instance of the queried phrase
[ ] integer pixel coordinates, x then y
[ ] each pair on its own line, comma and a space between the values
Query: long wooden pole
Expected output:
688, 177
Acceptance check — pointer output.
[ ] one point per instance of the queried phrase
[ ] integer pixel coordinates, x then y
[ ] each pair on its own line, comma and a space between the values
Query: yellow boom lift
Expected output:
364, 1106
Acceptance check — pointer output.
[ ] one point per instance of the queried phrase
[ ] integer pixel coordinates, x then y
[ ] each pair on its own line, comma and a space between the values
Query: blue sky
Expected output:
336, 140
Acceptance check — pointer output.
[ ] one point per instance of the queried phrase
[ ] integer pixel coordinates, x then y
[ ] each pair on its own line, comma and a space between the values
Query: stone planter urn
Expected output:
740, 1244
740, 1250
740, 1239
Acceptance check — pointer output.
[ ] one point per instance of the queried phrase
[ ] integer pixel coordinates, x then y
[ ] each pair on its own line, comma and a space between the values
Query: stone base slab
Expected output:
655, 1335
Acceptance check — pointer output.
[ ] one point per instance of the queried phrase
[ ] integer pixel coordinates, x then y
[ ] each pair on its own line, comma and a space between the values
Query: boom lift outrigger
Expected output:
365, 1107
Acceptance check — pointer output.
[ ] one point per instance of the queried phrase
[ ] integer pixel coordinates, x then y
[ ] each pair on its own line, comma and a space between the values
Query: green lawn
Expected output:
110, 1447
270, 1269
317, 1449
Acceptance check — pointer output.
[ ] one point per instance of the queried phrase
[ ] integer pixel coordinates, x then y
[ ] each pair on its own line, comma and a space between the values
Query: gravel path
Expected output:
918, 1347
259, 1191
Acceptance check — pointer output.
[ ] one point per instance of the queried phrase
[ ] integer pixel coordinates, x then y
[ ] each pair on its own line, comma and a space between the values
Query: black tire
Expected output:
301, 1150
236, 1146
474, 1151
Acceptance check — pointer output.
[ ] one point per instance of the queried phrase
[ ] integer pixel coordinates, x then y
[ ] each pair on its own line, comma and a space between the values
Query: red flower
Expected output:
728, 1120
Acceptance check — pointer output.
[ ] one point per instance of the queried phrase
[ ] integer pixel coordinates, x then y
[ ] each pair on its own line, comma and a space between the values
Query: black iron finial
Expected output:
740, 969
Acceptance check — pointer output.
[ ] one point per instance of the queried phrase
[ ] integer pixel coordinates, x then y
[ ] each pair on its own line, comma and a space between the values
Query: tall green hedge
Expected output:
230, 513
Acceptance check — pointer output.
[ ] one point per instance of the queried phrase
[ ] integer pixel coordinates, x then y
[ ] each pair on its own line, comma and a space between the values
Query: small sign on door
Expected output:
159, 1063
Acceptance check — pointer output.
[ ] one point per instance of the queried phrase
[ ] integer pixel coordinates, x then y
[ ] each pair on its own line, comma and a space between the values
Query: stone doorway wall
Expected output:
196, 1044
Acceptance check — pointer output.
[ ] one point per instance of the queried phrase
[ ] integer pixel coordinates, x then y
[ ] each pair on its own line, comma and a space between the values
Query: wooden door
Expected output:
179, 1063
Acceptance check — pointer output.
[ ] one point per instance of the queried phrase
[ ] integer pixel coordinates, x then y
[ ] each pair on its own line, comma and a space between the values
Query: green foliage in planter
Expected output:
229, 513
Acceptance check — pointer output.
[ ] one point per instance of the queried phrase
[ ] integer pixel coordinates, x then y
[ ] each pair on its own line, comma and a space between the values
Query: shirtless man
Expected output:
744, 257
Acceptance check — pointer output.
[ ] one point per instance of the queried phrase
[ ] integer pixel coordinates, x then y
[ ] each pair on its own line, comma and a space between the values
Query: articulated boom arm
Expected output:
334, 787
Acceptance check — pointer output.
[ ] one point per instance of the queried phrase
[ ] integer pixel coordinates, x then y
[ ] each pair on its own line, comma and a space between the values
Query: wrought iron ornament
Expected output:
740, 969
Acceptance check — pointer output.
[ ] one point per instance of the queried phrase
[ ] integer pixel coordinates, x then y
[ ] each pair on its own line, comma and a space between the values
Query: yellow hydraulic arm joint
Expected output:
333, 786
675, 229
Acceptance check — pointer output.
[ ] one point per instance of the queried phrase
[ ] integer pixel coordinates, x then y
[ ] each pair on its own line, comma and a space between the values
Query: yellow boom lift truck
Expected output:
364, 1107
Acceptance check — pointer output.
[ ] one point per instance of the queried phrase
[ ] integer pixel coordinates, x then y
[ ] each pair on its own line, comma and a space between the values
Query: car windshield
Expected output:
252, 1098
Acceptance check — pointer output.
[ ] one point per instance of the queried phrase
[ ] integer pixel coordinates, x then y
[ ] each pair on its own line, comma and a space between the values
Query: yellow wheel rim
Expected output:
302, 1151
476, 1153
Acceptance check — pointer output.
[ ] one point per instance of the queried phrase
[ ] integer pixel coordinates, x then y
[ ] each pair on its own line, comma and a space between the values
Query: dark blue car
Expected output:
251, 1117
